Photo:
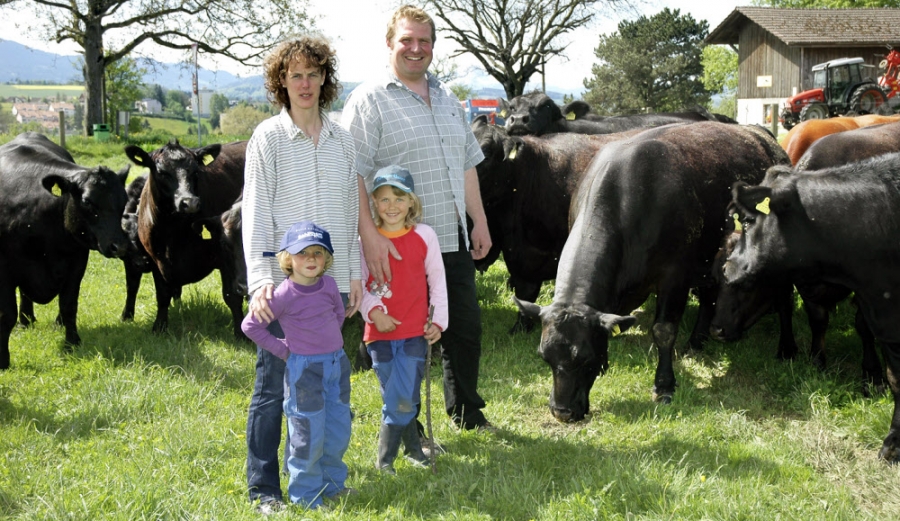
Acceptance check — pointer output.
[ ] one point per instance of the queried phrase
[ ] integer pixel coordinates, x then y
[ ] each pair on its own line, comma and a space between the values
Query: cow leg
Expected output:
873, 376
528, 292
7, 321
163, 299
68, 301
133, 277
705, 314
670, 306
784, 307
234, 300
890, 450
818, 324
26, 310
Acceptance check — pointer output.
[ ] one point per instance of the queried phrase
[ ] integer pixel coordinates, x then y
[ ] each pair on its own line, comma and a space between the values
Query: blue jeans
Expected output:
399, 365
264, 422
317, 405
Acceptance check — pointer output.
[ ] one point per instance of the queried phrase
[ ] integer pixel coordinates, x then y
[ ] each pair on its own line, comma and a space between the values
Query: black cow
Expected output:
738, 307
579, 109
647, 218
185, 186
526, 185
52, 212
840, 224
536, 114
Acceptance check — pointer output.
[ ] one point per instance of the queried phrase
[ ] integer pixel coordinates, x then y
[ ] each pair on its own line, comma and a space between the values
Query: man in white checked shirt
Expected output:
409, 118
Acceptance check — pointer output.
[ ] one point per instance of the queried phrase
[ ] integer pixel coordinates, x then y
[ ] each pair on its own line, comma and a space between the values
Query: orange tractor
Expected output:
845, 87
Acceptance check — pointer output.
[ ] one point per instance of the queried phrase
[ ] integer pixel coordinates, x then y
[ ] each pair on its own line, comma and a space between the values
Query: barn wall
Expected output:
761, 54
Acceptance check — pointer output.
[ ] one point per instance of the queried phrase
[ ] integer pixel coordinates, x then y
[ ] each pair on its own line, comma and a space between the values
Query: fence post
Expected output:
774, 109
62, 128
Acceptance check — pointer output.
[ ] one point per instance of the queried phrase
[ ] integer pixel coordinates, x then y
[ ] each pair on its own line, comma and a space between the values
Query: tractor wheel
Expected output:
814, 111
867, 99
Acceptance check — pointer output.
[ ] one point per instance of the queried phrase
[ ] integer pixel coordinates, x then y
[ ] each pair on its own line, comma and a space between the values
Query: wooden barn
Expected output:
777, 48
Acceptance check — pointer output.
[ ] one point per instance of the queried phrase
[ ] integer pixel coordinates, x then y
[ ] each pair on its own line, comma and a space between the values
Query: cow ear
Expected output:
616, 324
56, 185
502, 107
209, 153
122, 174
752, 200
511, 148
138, 156
529, 309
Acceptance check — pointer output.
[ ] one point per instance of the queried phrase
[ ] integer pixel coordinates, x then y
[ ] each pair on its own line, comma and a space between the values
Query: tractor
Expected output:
845, 87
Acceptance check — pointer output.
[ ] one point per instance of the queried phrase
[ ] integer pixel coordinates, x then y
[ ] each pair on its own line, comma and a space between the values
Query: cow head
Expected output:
575, 344
532, 113
174, 170
93, 208
739, 306
764, 211
496, 177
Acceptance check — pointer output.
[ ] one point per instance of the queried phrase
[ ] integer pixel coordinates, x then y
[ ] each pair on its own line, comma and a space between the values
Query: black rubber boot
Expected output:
388, 446
413, 446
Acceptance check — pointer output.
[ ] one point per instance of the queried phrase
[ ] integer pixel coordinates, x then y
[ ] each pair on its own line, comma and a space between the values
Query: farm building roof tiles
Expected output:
814, 27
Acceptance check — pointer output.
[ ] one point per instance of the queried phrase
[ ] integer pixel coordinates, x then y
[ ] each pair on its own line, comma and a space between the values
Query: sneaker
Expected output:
421, 464
388, 469
346, 491
426, 447
269, 506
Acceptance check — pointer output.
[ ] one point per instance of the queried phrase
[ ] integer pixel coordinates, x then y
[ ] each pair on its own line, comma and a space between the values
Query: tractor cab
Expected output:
840, 87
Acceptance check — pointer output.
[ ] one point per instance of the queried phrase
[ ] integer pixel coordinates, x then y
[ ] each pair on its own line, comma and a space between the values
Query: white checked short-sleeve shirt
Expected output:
392, 125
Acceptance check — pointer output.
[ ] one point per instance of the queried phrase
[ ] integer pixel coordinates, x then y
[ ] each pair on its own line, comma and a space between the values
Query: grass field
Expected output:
40, 91
132, 425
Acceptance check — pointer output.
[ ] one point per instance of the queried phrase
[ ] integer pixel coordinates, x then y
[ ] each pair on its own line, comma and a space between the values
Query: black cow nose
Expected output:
716, 332
189, 204
563, 415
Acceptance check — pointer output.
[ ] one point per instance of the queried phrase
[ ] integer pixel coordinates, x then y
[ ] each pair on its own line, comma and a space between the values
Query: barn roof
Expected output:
814, 27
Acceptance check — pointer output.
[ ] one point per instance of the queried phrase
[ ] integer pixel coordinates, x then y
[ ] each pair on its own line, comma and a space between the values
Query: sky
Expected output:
357, 28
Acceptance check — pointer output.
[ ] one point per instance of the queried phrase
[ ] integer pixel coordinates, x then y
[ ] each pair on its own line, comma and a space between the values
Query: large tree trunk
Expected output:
94, 72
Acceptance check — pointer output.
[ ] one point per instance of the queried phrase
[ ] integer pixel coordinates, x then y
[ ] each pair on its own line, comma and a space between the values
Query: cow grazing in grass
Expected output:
536, 114
52, 212
839, 224
185, 186
526, 185
647, 218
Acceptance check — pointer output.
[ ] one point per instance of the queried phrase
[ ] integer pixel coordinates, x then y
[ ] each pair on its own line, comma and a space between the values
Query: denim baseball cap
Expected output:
304, 234
394, 176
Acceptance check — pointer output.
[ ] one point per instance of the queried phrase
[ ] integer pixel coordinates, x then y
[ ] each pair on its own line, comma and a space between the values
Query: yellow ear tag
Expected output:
56, 190
512, 154
205, 233
615, 330
570, 116
737, 224
763, 207
503, 113
207, 159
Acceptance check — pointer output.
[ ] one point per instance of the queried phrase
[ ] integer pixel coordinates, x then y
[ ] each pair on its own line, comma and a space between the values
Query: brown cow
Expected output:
806, 133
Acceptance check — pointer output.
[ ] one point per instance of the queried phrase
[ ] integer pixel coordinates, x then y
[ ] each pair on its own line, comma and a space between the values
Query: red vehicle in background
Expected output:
845, 87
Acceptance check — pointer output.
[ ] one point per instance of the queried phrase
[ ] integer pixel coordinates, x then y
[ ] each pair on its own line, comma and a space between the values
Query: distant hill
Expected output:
19, 63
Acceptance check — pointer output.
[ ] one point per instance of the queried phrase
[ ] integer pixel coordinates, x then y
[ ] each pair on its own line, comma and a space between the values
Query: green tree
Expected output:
123, 86
720, 76
241, 120
650, 64
177, 102
463, 92
109, 30
218, 104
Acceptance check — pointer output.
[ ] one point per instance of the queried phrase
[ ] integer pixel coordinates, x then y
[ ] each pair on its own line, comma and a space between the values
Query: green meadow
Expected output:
132, 425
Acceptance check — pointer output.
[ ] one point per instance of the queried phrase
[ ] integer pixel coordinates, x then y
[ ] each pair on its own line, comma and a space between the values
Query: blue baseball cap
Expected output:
394, 176
304, 234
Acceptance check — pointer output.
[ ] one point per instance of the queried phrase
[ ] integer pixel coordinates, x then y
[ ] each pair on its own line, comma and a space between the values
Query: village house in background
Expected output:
148, 106
777, 49
47, 114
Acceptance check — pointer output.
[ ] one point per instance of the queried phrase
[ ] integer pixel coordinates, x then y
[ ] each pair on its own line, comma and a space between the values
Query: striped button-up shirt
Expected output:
392, 125
289, 179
